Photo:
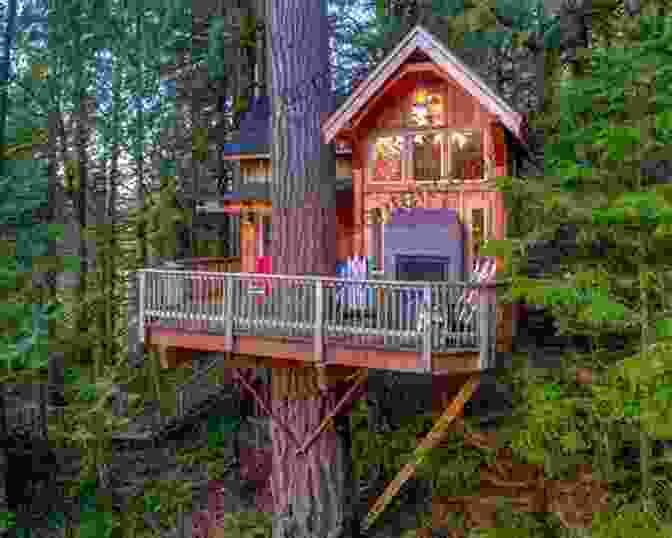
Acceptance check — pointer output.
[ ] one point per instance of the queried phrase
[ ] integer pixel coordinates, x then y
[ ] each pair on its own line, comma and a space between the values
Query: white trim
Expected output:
419, 38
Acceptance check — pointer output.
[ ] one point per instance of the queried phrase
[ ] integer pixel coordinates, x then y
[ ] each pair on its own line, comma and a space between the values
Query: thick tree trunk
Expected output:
313, 493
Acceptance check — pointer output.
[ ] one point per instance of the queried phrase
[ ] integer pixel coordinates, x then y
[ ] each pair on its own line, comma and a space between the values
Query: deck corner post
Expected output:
487, 317
427, 330
228, 301
318, 342
141, 305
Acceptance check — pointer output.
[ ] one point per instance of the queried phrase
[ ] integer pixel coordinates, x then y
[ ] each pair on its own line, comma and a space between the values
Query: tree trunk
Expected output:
313, 494
82, 211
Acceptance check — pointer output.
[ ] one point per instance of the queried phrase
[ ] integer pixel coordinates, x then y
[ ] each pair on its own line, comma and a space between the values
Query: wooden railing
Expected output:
390, 314
229, 264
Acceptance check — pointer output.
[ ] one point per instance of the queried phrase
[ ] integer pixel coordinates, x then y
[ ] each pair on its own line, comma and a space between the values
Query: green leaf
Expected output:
552, 392
152, 503
7, 520
87, 392
664, 392
71, 375
631, 408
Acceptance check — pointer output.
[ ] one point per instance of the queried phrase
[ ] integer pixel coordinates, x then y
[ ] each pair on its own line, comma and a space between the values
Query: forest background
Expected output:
90, 193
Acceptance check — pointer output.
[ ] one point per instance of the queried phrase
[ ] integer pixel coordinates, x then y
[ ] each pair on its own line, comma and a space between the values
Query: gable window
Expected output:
426, 108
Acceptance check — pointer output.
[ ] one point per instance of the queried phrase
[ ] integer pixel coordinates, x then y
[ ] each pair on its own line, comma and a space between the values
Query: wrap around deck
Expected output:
320, 319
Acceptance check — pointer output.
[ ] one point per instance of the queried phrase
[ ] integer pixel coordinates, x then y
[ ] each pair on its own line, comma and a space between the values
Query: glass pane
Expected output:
387, 158
426, 109
466, 155
427, 156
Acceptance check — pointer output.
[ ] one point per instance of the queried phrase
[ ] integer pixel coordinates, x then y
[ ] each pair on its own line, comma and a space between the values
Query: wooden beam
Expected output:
347, 397
433, 439
246, 156
263, 405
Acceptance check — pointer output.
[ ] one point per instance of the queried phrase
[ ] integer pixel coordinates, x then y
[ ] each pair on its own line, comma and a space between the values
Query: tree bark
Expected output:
313, 494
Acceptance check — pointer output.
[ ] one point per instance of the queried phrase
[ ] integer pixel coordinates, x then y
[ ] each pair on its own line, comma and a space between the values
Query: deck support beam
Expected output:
348, 397
432, 440
263, 405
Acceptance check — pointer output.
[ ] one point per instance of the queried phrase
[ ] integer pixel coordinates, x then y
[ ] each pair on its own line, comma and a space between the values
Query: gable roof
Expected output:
420, 39
252, 138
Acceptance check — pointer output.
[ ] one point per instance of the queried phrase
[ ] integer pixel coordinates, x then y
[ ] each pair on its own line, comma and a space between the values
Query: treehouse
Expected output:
419, 144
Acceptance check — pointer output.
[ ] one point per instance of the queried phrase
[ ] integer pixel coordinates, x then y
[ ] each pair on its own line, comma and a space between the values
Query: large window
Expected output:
429, 155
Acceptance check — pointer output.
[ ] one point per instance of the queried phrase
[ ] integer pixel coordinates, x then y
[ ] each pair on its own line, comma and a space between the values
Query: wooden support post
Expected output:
347, 398
318, 337
433, 439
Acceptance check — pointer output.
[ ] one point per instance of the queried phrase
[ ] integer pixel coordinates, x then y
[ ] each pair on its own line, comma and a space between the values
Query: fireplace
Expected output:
423, 245
422, 268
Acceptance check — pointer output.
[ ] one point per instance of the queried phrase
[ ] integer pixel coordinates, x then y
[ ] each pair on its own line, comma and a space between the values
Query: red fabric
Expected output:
263, 266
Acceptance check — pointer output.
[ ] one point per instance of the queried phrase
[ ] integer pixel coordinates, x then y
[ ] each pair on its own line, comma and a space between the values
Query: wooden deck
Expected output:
176, 346
283, 321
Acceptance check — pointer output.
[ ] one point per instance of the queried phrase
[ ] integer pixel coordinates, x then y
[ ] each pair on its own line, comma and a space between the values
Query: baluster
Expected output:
426, 309
319, 315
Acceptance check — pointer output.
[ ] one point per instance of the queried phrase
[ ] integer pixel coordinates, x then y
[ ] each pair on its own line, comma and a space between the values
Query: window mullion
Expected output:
408, 168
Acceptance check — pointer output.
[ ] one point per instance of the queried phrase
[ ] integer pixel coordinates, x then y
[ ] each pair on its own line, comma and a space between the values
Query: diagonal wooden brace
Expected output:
347, 398
432, 440
263, 405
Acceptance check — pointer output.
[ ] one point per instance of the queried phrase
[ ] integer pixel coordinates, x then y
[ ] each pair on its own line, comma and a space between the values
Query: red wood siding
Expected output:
345, 225
248, 247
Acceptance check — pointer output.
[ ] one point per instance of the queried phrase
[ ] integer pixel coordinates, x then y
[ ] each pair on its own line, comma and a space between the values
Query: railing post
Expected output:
427, 329
141, 305
487, 317
319, 320
228, 313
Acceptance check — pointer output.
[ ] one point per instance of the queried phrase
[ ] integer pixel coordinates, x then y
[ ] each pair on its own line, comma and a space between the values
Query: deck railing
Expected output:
422, 316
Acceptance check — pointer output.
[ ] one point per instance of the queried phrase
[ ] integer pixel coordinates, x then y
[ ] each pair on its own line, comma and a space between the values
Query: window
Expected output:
436, 155
428, 152
426, 108
387, 158
465, 148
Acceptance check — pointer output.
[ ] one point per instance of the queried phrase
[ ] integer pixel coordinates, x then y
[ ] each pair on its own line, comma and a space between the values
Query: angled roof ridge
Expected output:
420, 38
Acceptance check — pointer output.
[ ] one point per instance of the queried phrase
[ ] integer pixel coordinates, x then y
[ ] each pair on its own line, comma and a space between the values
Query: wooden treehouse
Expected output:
419, 144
